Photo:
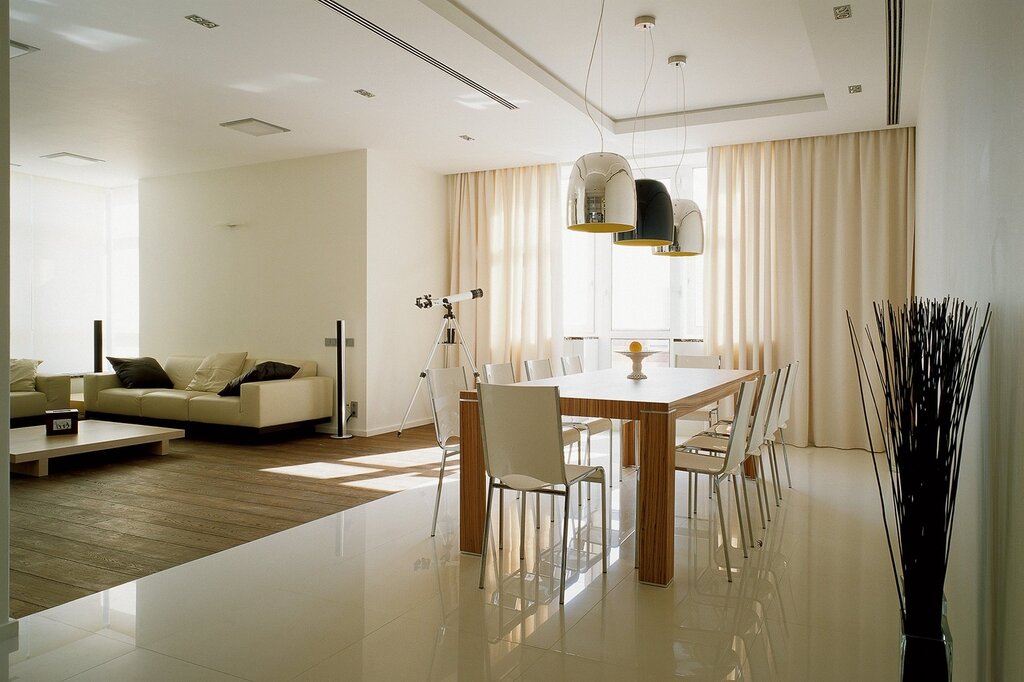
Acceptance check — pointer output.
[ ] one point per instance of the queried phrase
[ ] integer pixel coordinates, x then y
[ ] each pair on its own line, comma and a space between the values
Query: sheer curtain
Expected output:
799, 231
505, 229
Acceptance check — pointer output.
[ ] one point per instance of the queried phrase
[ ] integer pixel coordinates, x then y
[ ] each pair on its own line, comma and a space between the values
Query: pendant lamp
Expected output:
653, 217
602, 194
689, 231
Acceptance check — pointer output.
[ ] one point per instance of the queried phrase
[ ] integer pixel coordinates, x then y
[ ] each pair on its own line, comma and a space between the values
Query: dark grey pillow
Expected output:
140, 373
265, 371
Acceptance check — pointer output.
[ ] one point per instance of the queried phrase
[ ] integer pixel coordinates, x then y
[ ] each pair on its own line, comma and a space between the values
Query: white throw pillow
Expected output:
216, 371
23, 374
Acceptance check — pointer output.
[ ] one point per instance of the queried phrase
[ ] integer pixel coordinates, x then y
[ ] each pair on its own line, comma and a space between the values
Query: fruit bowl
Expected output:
638, 358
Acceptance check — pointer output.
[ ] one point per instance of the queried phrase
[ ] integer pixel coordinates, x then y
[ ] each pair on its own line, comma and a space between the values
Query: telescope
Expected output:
427, 300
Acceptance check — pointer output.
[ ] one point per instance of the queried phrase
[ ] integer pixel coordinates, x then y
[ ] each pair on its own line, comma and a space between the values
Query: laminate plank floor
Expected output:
103, 519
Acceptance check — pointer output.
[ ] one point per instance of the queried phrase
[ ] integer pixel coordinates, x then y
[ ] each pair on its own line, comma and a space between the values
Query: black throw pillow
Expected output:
265, 371
140, 373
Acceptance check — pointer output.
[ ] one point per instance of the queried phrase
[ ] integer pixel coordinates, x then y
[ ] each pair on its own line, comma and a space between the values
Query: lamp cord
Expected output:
586, 85
682, 153
643, 92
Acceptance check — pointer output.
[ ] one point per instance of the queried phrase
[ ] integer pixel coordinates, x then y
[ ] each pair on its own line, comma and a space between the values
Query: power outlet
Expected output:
353, 409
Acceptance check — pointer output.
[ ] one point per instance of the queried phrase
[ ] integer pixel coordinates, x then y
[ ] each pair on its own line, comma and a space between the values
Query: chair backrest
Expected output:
444, 386
522, 433
499, 373
538, 369
781, 386
697, 361
764, 404
736, 450
572, 364
787, 396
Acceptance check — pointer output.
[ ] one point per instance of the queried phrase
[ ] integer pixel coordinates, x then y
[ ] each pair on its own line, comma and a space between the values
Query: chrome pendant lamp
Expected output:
653, 217
602, 194
688, 226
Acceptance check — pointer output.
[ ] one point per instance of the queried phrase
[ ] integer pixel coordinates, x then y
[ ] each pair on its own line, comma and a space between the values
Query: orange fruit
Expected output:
635, 347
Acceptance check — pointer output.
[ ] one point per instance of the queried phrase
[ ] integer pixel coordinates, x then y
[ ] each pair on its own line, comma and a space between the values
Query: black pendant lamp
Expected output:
653, 217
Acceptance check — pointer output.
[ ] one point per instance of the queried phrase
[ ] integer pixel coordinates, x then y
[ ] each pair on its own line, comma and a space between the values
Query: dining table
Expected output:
652, 405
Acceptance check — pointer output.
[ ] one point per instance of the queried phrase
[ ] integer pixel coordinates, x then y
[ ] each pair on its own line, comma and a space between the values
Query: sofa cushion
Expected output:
27, 404
214, 409
265, 371
23, 374
167, 404
140, 372
216, 371
125, 401
307, 368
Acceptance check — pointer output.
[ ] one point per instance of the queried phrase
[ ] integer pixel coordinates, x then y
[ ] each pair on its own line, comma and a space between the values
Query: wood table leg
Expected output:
657, 493
628, 434
39, 467
160, 447
472, 478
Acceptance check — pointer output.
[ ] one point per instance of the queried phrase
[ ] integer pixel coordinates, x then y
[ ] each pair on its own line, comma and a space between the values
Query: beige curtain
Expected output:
798, 232
505, 226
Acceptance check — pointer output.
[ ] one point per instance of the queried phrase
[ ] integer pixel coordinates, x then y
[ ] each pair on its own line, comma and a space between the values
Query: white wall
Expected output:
275, 284
970, 243
59, 270
407, 256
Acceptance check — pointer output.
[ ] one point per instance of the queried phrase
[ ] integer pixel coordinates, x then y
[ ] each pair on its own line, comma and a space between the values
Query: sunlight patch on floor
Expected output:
322, 470
393, 484
404, 458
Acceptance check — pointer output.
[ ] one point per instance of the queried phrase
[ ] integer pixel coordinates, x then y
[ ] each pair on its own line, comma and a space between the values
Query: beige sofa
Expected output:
52, 392
262, 407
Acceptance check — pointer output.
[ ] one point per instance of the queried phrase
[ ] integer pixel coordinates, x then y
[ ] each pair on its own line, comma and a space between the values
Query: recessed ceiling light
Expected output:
842, 12
254, 126
854, 89
70, 159
205, 23
18, 49
467, 138
365, 93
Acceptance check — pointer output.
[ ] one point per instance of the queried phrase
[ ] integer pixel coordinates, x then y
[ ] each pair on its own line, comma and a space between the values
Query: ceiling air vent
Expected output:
205, 23
254, 126
416, 52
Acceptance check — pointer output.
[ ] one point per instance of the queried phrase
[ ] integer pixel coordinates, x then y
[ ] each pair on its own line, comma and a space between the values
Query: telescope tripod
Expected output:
449, 334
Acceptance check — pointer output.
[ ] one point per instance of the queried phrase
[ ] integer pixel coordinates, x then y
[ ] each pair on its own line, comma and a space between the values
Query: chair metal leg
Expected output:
764, 487
565, 547
785, 458
739, 516
536, 512
604, 525
487, 523
760, 500
437, 498
746, 504
501, 518
689, 494
522, 527
775, 472
721, 522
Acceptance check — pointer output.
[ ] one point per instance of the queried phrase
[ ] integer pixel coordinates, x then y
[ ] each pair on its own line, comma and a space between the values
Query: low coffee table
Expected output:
32, 449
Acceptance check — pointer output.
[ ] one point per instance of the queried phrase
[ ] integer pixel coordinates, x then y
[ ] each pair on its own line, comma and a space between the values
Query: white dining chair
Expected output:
718, 469
787, 401
503, 373
522, 442
443, 386
573, 364
709, 413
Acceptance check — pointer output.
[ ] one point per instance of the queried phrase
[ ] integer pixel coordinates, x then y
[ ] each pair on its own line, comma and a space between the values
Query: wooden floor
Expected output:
103, 519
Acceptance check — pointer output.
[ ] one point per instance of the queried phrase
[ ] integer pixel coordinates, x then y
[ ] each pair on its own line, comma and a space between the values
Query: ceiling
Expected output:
144, 89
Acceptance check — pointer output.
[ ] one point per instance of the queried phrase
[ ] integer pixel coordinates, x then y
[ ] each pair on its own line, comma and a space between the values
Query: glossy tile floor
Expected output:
367, 594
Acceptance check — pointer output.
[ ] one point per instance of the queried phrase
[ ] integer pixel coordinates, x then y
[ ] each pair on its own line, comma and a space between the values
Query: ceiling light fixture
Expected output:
70, 159
254, 126
467, 138
602, 191
653, 202
688, 226
687, 222
19, 49
842, 12
365, 93
854, 89
205, 23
